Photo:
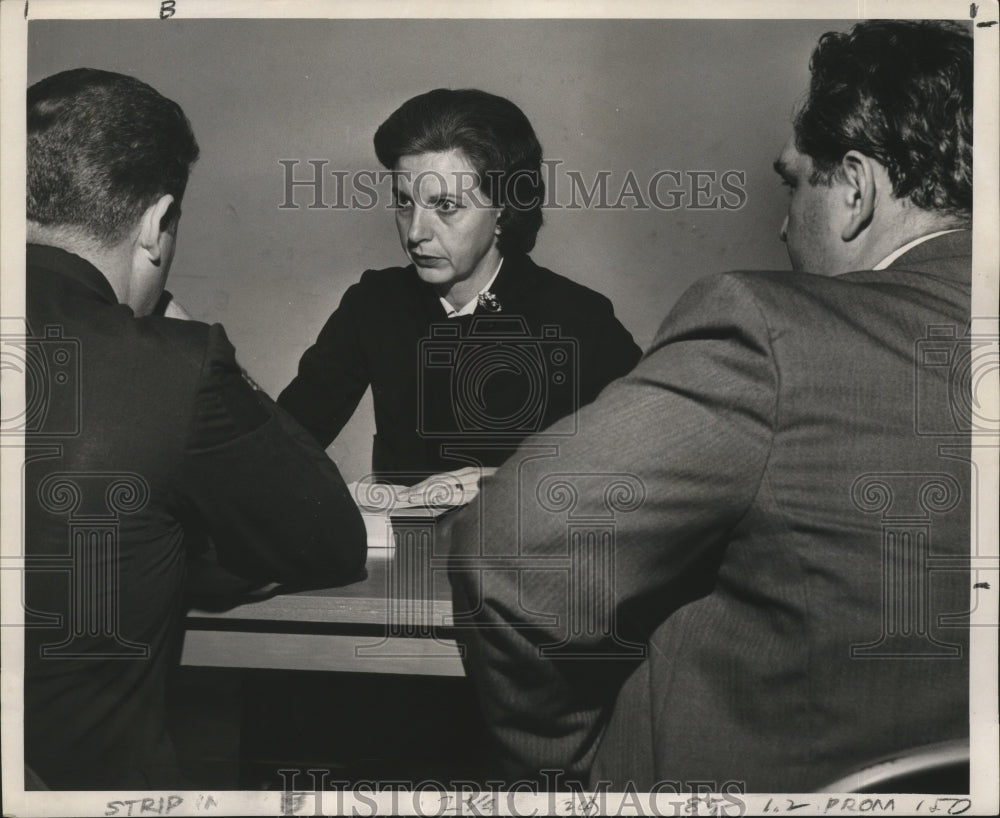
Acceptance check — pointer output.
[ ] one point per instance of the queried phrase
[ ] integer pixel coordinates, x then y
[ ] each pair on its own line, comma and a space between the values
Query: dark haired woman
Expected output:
472, 347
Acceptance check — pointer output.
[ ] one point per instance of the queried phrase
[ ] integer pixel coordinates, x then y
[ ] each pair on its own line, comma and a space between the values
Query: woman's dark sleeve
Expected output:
332, 376
607, 350
273, 503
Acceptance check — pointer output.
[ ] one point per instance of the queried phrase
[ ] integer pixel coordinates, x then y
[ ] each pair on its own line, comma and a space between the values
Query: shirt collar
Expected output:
470, 307
895, 254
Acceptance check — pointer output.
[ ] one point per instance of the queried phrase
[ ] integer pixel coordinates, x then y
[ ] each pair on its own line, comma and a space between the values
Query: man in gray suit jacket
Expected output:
749, 570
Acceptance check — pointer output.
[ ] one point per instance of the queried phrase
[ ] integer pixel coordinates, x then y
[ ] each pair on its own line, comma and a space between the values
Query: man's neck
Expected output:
908, 228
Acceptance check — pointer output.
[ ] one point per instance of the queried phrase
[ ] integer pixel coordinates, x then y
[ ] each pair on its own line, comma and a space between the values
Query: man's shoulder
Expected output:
762, 302
112, 338
890, 305
767, 287
779, 289
184, 343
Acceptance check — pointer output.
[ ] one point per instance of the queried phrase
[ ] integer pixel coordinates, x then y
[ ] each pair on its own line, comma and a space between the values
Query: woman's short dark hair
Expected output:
102, 147
497, 139
899, 91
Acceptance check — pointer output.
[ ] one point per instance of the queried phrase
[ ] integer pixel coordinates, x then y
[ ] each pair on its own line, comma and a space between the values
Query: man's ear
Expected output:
152, 227
857, 175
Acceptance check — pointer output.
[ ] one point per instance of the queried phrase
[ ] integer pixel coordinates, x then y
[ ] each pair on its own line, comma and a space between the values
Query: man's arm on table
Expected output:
687, 433
273, 503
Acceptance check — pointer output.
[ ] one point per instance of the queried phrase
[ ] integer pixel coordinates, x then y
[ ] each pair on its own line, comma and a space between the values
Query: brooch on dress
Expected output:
489, 302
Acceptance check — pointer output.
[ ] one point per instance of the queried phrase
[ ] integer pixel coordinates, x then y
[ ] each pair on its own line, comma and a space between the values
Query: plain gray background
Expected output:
603, 95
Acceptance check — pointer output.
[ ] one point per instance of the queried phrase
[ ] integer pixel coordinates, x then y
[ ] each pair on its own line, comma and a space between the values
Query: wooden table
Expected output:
396, 620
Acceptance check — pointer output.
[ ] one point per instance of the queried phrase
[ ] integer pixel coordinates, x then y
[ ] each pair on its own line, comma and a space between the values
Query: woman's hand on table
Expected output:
450, 488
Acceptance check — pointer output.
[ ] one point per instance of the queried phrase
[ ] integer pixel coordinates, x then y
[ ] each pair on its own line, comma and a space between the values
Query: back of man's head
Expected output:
899, 92
102, 147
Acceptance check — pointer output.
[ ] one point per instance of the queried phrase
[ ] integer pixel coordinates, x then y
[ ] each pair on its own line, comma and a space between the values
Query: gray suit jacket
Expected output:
749, 567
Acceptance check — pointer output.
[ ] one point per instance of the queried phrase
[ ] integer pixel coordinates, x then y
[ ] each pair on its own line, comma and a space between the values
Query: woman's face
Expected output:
446, 224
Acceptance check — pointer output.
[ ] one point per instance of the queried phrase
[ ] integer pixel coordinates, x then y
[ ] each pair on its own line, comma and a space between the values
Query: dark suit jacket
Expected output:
477, 385
738, 570
138, 432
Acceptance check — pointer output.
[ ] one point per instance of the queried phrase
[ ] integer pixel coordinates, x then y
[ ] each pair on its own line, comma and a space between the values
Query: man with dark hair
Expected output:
102, 147
860, 133
860, 98
724, 580
142, 436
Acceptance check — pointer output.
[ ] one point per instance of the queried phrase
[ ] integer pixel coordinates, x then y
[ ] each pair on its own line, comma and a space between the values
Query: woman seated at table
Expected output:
472, 346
